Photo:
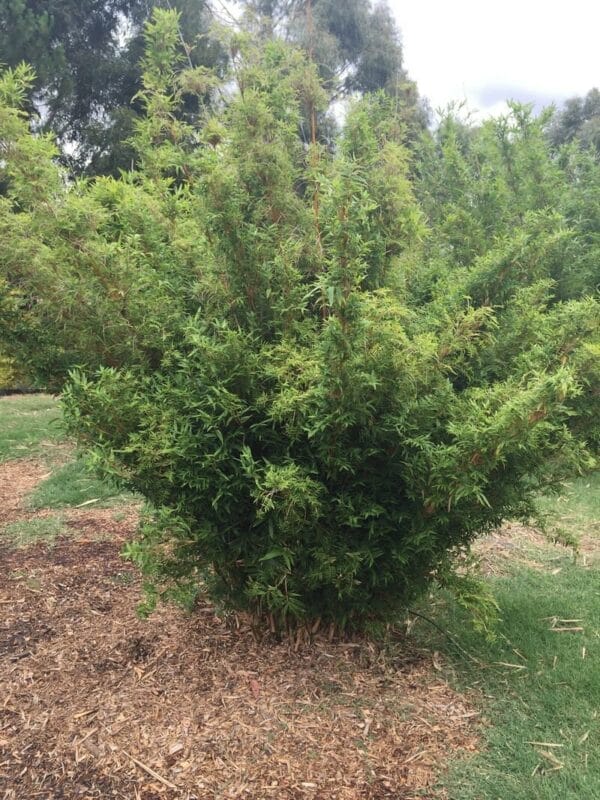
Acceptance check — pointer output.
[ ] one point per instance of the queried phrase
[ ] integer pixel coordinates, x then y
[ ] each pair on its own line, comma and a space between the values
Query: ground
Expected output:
97, 703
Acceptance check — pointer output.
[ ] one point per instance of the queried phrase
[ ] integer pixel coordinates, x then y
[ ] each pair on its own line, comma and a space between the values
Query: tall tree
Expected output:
356, 47
86, 55
578, 120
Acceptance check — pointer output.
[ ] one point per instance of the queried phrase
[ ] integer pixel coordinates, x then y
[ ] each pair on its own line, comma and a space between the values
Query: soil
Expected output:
96, 703
18, 479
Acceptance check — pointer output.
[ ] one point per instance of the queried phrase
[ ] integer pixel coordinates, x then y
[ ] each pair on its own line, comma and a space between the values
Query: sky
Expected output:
485, 51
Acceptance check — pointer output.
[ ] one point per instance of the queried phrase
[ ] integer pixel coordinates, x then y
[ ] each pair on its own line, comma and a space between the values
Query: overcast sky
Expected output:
484, 51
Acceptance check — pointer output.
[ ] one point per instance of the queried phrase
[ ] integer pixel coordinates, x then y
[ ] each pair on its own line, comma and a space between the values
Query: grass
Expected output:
73, 485
31, 427
551, 694
29, 424
31, 531
576, 511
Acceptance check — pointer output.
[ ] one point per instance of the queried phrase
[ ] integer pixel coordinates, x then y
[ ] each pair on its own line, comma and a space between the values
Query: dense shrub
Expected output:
8, 378
320, 410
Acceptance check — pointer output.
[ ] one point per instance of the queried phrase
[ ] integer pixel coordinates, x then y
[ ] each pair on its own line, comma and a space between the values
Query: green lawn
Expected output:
73, 485
541, 738
575, 513
31, 531
30, 425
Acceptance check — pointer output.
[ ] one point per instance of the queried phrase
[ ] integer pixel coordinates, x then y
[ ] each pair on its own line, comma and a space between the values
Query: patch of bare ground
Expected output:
96, 703
17, 479
514, 545
519, 545
589, 548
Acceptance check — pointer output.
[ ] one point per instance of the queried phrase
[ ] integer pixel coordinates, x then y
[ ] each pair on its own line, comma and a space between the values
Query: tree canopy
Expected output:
578, 120
356, 46
86, 56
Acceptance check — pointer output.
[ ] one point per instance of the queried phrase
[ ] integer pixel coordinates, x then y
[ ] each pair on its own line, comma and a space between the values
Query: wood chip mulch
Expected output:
17, 480
95, 703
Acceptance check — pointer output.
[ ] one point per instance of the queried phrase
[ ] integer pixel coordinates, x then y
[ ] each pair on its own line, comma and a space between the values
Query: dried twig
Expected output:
448, 635
150, 771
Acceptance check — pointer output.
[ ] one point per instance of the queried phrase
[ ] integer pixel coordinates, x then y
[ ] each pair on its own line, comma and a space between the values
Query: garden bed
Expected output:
98, 703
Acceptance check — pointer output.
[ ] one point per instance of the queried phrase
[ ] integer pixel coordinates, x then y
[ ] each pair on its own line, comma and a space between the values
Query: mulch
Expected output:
17, 480
97, 703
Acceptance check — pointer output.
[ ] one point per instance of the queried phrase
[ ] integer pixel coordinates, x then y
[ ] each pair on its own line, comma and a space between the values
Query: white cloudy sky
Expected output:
484, 51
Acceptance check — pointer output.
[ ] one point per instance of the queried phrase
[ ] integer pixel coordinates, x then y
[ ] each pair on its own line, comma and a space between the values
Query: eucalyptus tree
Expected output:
86, 55
356, 46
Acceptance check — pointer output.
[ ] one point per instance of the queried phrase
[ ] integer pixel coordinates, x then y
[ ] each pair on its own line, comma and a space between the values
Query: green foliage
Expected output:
578, 120
356, 47
472, 593
8, 375
86, 56
477, 183
320, 405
